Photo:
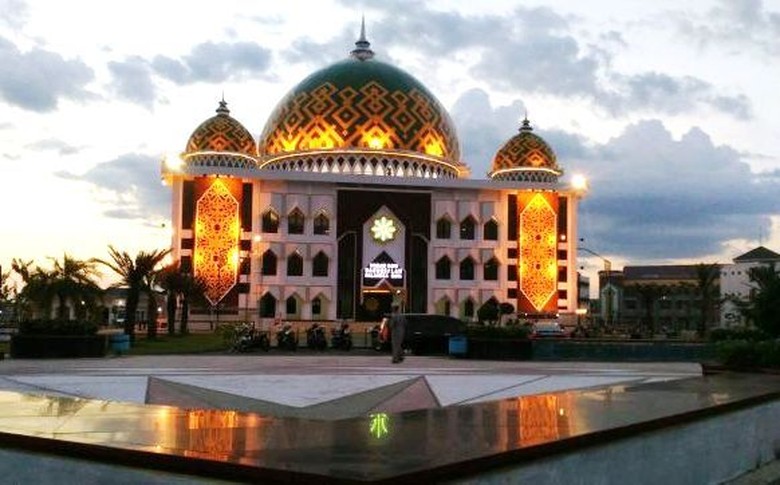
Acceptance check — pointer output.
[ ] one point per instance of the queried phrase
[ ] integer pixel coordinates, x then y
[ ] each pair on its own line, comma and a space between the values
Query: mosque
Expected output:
355, 196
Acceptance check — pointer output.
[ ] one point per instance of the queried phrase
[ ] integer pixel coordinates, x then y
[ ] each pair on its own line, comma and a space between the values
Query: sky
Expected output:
669, 108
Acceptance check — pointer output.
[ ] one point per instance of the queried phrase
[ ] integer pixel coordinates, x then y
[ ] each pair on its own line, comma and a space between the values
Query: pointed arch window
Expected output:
490, 230
468, 308
467, 269
267, 306
467, 228
316, 306
295, 264
269, 263
443, 228
295, 222
320, 264
321, 224
291, 306
443, 268
270, 221
490, 270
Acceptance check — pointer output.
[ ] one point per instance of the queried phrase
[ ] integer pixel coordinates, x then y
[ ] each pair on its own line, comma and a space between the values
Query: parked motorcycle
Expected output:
249, 338
286, 338
341, 337
315, 337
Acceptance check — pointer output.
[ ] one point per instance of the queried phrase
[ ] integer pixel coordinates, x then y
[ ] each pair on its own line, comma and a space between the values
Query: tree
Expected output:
136, 273
488, 312
193, 291
70, 281
764, 306
172, 281
649, 294
707, 292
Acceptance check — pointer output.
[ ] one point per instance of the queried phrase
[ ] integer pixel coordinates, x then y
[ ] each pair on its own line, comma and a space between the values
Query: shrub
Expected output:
58, 327
739, 333
744, 353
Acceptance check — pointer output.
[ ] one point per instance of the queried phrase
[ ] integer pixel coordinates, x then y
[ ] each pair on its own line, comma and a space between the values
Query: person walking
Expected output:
397, 330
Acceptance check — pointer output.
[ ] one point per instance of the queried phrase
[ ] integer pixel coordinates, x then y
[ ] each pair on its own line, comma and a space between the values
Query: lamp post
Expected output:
608, 283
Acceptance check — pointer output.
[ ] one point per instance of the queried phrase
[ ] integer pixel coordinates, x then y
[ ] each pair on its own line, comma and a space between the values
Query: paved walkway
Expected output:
327, 386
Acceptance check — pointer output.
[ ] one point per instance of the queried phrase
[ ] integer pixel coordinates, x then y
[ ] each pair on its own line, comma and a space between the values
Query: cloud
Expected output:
36, 80
656, 197
736, 24
214, 62
134, 181
54, 144
537, 50
132, 81
671, 95
483, 129
13, 13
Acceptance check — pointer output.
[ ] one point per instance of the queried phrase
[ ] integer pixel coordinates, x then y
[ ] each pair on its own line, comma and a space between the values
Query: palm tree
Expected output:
70, 281
73, 280
707, 291
172, 281
764, 306
193, 291
137, 274
649, 294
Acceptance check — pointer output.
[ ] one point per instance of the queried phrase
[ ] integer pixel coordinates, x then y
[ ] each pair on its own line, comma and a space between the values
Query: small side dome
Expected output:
221, 141
526, 157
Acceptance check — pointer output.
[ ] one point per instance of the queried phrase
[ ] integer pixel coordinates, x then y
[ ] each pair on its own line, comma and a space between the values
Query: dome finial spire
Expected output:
362, 50
223, 109
526, 124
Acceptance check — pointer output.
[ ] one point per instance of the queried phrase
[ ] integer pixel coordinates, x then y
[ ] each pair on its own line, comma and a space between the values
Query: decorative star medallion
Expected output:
383, 229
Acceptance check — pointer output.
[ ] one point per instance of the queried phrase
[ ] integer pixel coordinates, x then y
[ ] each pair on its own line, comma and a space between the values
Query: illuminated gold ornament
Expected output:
538, 263
383, 229
217, 231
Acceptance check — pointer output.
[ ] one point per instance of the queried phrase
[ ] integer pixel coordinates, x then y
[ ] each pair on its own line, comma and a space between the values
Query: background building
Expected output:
355, 196
735, 283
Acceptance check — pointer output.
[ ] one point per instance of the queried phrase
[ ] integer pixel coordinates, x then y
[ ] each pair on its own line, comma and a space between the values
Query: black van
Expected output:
425, 333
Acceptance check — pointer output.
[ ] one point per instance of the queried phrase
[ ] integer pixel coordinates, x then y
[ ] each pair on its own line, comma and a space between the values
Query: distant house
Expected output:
735, 283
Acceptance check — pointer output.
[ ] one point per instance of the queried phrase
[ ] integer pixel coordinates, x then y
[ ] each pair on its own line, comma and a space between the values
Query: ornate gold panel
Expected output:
217, 233
538, 271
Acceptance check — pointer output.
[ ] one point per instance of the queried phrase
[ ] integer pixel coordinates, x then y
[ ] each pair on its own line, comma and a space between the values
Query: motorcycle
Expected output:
248, 338
286, 338
376, 338
315, 337
341, 337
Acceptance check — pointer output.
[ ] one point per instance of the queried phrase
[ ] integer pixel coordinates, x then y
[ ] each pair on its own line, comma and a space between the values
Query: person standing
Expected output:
397, 330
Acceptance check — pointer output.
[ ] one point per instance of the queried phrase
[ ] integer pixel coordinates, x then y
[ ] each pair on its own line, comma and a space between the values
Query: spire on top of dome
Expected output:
223, 109
362, 50
526, 124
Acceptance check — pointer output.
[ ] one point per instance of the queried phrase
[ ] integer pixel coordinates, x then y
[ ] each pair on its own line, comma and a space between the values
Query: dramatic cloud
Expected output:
483, 129
736, 24
133, 81
656, 197
38, 79
135, 181
536, 50
214, 62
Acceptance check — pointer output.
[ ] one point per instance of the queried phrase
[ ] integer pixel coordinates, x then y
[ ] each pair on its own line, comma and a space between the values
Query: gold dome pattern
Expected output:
366, 106
221, 133
526, 156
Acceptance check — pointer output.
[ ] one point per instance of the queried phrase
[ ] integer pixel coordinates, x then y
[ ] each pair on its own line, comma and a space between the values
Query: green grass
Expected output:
194, 343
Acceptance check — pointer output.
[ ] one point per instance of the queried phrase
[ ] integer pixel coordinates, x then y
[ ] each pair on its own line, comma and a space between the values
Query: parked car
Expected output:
547, 330
425, 333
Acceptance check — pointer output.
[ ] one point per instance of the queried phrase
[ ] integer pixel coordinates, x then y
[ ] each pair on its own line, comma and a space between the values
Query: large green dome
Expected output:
361, 104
